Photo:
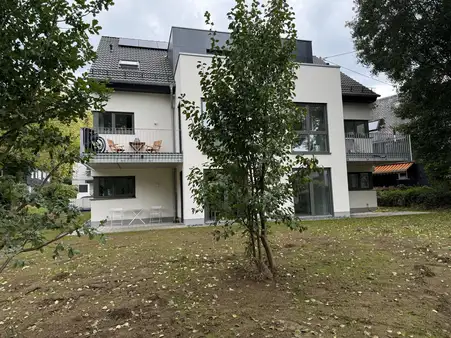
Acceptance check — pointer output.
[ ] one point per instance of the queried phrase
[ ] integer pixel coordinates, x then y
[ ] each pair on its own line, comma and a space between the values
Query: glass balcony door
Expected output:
315, 197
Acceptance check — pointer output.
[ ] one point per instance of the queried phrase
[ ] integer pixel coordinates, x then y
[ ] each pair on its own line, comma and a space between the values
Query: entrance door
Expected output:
315, 198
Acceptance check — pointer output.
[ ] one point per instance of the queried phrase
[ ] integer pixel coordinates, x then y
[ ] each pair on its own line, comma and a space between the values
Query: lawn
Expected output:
380, 277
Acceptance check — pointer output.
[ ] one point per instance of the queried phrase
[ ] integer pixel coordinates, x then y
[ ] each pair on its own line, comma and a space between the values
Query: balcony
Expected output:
126, 147
378, 147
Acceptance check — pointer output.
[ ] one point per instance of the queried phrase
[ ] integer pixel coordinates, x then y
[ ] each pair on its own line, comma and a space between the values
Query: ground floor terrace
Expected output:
140, 194
367, 277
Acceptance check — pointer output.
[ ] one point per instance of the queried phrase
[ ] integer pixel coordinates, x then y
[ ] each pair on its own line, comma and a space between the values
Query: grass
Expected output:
384, 277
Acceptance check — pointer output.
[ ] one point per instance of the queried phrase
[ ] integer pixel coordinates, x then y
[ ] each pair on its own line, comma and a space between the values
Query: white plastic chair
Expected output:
117, 214
155, 212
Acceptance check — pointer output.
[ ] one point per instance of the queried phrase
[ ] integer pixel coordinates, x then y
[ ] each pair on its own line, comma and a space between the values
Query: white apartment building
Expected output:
143, 152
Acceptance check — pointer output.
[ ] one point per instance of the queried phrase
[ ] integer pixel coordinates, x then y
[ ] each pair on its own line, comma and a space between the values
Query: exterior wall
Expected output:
154, 187
363, 200
326, 88
79, 176
153, 117
357, 111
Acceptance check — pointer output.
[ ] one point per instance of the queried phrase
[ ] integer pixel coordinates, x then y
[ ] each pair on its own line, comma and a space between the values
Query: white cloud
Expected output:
384, 90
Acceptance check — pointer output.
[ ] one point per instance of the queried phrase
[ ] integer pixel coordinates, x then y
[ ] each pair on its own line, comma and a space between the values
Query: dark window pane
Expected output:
317, 118
83, 188
318, 143
322, 193
349, 128
353, 181
361, 128
124, 121
364, 180
301, 144
105, 120
302, 201
106, 188
124, 186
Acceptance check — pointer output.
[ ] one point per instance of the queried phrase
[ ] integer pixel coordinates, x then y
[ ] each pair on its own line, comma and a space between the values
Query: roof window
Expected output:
131, 65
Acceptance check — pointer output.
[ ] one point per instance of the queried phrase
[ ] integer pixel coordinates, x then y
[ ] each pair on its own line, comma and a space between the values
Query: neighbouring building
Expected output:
143, 152
394, 174
82, 180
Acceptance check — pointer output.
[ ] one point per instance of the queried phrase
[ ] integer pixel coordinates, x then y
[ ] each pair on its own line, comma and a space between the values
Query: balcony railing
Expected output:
378, 146
122, 145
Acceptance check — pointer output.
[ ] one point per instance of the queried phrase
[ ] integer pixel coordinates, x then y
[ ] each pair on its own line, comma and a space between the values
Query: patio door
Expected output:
315, 197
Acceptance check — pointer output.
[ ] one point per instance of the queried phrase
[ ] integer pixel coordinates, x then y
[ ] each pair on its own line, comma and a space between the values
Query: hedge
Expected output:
422, 197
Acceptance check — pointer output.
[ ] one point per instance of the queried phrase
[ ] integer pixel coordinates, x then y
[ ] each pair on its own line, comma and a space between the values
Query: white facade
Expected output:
160, 178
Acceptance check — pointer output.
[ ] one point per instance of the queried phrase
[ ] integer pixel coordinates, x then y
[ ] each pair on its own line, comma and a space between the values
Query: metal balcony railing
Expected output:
378, 146
121, 145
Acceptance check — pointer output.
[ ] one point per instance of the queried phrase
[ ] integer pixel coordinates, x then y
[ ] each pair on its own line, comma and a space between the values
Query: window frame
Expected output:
359, 188
355, 122
308, 132
114, 195
83, 185
113, 130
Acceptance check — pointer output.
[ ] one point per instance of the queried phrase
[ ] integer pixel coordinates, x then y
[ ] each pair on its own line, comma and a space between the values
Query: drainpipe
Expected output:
410, 148
172, 95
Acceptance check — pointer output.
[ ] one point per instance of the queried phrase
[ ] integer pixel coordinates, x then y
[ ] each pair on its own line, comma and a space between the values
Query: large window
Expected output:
114, 187
312, 130
360, 181
115, 123
356, 128
315, 197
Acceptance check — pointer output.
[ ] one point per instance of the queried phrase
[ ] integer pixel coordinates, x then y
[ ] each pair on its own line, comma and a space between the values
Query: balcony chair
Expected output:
116, 148
155, 147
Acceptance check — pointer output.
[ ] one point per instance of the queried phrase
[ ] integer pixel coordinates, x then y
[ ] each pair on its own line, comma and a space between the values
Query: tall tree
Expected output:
42, 44
247, 128
409, 41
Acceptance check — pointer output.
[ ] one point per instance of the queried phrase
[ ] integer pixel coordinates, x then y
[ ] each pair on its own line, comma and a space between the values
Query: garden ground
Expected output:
384, 277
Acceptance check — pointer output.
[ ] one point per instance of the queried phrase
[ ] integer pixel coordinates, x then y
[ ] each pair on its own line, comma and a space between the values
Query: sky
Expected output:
321, 21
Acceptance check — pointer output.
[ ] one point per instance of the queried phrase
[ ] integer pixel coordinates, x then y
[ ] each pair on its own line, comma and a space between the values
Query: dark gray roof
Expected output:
349, 86
154, 64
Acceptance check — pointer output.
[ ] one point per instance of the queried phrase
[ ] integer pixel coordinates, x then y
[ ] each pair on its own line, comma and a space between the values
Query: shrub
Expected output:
423, 197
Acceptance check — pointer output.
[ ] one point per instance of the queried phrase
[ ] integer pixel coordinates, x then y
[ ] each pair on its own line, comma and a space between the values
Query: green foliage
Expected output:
419, 197
247, 129
410, 44
42, 102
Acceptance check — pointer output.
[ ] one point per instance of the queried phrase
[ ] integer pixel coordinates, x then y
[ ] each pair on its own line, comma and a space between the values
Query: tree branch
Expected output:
57, 238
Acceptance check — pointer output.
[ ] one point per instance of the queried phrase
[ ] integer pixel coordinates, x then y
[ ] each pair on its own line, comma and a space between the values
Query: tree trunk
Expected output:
269, 255
264, 239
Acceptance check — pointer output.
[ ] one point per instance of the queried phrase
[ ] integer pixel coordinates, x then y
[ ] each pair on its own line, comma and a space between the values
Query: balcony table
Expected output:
137, 146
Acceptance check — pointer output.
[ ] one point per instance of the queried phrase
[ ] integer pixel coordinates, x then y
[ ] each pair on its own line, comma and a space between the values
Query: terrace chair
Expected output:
116, 148
155, 147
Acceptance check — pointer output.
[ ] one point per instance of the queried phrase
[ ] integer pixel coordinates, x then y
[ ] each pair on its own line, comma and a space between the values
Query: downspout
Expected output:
172, 96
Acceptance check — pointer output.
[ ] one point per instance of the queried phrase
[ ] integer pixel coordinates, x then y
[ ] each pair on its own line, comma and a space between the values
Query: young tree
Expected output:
409, 41
43, 44
247, 129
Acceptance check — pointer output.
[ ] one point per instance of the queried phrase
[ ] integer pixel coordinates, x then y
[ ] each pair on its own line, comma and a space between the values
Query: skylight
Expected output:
126, 64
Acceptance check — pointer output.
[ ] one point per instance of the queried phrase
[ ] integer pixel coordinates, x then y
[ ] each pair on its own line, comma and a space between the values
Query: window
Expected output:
360, 181
114, 187
131, 65
315, 197
83, 188
356, 128
312, 130
115, 123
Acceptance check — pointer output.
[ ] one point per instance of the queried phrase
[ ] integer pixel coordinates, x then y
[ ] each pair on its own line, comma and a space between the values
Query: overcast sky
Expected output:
321, 21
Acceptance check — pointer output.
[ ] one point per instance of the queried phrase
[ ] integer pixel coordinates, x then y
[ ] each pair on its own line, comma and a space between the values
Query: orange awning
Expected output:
392, 168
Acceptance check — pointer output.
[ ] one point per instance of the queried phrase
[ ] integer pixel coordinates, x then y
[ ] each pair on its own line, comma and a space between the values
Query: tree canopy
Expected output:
43, 44
409, 41
246, 130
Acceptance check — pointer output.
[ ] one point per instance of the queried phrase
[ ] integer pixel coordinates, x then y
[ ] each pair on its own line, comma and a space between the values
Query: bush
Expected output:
422, 197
